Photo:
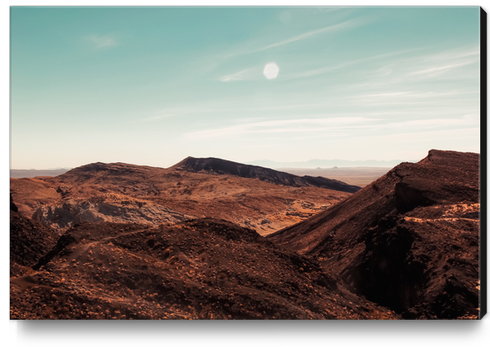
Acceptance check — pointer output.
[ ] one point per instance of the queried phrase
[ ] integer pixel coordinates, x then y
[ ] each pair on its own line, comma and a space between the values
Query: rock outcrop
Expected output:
408, 241
98, 210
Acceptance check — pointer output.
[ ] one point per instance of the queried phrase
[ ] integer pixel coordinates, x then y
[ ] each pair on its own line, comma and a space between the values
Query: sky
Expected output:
153, 85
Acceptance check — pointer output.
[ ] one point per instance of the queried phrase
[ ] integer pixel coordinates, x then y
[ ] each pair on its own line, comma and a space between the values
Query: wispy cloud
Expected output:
333, 126
436, 123
444, 68
154, 118
386, 70
254, 73
332, 28
320, 71
471, 134
433, 65
386, 94
389, 97
281, 126
453, 54
102, 41
242, 75
418, 71
352, 23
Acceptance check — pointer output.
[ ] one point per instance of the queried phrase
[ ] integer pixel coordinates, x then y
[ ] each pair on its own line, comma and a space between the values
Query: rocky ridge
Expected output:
220, 166
408, 241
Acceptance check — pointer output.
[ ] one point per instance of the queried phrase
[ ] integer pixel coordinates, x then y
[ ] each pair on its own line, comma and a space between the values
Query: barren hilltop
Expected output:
220, 166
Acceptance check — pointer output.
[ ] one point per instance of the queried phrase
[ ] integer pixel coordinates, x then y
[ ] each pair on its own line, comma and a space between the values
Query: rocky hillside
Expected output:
200, 269
124, 193
408, 241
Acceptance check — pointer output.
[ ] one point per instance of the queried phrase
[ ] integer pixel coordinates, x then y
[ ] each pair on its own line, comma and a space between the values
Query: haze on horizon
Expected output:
151, 86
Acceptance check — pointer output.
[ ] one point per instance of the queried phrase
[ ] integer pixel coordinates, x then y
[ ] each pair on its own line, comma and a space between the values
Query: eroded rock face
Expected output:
408, 241
29, 241
408, 198
71, 212
387, 271
13, 207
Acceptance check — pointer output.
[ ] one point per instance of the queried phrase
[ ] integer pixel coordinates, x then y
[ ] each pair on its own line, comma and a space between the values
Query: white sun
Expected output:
271, 70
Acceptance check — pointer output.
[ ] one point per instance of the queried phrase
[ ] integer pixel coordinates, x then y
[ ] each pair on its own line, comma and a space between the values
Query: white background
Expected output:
212, 333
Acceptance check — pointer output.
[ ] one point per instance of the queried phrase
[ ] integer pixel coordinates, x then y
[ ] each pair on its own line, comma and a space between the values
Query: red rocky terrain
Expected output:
408, 241
199, 269
124, 193
404, 247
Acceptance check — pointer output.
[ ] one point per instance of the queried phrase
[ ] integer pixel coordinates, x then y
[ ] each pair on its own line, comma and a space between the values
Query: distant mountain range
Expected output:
325, 163
314, 163
14, 173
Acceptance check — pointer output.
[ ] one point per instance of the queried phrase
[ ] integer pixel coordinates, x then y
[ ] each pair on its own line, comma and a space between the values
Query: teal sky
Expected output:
152, 85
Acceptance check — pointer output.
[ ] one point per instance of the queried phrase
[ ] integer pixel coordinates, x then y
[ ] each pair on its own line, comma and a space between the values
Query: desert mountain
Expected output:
199, 269
220, 166
408, 241
125, 193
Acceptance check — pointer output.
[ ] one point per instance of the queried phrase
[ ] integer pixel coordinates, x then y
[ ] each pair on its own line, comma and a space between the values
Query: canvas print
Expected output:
216, 163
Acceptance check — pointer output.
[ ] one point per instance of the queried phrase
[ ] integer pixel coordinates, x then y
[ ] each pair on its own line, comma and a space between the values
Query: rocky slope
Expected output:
408, 241
29, 241
220, 166
200, 269
125, 193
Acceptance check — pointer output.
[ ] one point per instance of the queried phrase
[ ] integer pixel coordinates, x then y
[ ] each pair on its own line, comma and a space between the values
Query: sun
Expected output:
271, 70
